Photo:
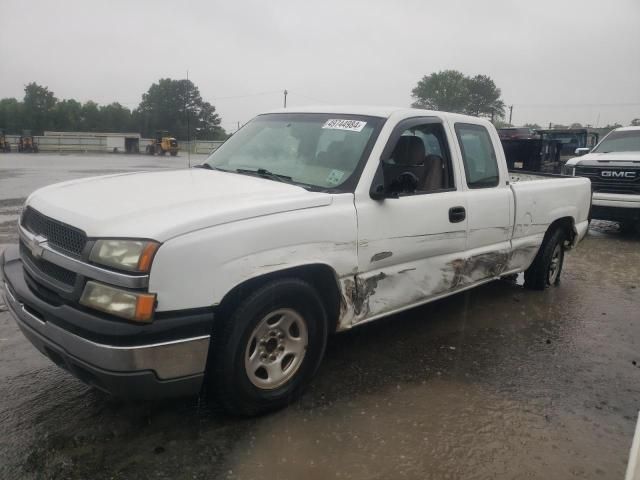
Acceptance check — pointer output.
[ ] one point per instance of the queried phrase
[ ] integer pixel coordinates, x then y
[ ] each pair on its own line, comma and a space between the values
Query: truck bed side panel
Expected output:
538, 203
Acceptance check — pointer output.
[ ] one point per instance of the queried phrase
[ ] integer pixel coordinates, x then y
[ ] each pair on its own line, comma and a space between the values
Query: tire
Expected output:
547, 266
629, 227
251, 370
173, 154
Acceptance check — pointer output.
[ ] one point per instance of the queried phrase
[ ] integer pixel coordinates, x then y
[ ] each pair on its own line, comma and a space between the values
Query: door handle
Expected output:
457, 214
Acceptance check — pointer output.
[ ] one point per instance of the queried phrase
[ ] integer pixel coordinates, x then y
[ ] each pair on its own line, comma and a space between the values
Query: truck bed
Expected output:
540, 198
516, 176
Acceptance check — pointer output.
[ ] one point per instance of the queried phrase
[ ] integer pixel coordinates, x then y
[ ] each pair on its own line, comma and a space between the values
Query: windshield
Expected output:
317, 150
620, 141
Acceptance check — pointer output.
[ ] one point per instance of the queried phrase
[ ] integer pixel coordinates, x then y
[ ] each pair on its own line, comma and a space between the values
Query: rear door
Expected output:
490, 201
406, 245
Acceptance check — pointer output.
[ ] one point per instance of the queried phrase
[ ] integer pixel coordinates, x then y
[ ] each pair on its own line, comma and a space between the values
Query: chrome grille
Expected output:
610, 184
59, 235
48, 269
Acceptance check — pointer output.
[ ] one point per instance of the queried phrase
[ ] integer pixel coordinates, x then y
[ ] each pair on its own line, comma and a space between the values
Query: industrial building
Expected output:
90, 141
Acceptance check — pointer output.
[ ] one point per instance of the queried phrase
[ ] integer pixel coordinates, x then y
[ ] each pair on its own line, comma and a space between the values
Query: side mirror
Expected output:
391, 180
582, 151
406, 182
378, 191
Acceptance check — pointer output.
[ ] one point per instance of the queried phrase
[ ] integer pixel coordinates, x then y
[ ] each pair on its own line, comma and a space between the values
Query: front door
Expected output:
408, 246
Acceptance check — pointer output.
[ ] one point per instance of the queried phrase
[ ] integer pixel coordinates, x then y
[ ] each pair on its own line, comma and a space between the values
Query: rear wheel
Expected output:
266, 352
547, 266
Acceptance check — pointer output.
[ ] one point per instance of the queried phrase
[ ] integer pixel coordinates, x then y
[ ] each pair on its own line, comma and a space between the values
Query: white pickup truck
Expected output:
305, 222
613, 166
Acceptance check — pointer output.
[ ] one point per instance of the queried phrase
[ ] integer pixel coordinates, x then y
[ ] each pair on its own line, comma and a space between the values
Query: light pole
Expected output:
285, 99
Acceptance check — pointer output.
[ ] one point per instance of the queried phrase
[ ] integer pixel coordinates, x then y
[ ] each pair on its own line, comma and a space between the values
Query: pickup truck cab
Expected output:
613, 166
305, 222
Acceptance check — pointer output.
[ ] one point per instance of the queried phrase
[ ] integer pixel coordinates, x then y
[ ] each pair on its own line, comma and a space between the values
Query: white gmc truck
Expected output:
613, 166
305, 222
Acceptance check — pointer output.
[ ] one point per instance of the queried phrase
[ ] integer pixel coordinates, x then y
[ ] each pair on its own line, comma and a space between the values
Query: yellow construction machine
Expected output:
27, 144
163, 144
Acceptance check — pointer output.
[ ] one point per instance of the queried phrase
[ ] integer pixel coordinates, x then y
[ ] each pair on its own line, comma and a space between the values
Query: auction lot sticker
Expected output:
341, 124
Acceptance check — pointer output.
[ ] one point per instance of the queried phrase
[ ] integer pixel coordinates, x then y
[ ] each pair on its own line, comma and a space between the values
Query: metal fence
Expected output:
200, 146
94, 144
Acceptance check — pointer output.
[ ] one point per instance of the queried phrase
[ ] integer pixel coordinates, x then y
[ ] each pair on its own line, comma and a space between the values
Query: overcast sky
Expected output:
556, 61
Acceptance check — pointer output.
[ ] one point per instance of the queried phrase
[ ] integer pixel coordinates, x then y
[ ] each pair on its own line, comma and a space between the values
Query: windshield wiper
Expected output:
264, 173
204, 165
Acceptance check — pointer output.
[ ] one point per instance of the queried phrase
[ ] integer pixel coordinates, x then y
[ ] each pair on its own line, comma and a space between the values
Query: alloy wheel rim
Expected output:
276, 348
554, 267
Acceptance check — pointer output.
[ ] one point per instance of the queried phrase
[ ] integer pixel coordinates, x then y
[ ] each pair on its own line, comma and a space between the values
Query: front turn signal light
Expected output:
133, 306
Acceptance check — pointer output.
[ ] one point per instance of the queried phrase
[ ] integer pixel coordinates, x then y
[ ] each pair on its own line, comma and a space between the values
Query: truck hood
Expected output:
162, 205
603, 159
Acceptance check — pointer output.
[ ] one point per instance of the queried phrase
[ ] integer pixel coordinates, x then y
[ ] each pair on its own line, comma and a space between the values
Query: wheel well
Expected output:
320, 276
567, 225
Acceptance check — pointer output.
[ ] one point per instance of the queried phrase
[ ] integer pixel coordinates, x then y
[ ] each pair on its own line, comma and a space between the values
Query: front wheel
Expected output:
630, 227
268, 349
547, 266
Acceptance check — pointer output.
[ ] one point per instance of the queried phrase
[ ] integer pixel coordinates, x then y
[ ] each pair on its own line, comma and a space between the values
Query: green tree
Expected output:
115, 118
90, 117
174, 105
11, 112
453, 91
635, 122
484, 98
67, 115
177, 106
38, 105
535, 126
447, 90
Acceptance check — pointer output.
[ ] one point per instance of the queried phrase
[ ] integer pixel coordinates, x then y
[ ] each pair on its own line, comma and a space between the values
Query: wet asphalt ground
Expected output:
498, 382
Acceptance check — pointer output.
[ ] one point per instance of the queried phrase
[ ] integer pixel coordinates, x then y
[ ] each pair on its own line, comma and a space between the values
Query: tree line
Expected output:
178, 107
172, 105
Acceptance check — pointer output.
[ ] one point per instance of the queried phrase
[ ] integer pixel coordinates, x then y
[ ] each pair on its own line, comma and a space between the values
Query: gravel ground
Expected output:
498, 382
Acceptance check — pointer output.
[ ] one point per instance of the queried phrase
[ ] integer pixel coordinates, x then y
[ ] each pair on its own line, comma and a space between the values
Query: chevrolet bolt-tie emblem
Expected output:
36, 245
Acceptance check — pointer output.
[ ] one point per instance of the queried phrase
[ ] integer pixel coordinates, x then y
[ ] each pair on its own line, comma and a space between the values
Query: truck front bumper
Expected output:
616, 207
173, 365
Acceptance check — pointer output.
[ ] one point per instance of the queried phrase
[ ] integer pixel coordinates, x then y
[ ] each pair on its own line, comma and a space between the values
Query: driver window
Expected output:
421, 158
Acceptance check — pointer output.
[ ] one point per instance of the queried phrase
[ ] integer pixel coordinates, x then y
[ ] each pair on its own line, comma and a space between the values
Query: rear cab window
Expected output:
478, 156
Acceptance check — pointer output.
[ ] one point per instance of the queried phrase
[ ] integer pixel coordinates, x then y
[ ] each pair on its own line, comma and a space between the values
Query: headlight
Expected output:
137, 307
132, 255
